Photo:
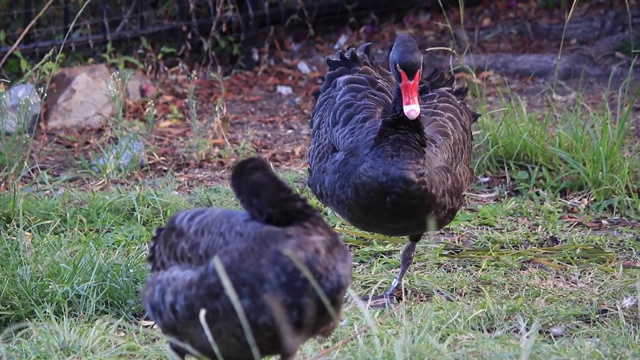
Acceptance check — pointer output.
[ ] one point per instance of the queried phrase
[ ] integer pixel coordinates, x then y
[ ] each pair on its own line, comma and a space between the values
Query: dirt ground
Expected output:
260, 120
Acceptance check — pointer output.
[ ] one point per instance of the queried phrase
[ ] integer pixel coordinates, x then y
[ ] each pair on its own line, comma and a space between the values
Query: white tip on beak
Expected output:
411, 111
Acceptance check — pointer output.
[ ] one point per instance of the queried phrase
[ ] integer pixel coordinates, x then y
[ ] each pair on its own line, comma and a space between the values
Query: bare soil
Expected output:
260, 120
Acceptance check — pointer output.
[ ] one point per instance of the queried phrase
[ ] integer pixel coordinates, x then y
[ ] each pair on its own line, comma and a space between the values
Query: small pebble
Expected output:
628, 302
341, 41
294, 102
558, 331
304, 67
284, 90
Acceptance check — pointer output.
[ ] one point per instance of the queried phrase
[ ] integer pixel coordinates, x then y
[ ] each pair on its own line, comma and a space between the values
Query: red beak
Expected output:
410, 98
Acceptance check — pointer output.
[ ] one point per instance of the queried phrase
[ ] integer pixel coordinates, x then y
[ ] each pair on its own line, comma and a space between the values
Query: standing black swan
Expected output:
390, 151
263, 251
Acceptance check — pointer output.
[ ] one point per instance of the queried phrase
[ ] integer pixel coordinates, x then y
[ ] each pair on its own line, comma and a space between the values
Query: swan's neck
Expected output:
397, 130
396, 102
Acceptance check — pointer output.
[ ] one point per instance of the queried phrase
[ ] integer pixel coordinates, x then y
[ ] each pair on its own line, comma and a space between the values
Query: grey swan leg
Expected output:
179, 352
389, 297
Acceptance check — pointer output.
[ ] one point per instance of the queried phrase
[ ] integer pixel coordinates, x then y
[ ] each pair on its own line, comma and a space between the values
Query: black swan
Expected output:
269, 254
390, 151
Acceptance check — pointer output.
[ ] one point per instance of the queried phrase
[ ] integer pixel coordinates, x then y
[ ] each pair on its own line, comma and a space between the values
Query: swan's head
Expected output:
405, 61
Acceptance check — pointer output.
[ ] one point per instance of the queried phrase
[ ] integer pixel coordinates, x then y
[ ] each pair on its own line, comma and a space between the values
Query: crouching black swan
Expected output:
289, 270
390, 151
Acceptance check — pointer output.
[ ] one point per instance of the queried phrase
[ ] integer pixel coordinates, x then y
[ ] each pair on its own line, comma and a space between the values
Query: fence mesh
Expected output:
82, 23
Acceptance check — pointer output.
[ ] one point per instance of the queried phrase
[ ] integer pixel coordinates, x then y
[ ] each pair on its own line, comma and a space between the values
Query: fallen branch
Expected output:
575, 62
580, 29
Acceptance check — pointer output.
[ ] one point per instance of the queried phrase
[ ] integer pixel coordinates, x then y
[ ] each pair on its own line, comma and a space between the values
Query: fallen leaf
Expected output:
591, 225
252, 99
468, 77
147, 323
168, 123
569, 217
485, 74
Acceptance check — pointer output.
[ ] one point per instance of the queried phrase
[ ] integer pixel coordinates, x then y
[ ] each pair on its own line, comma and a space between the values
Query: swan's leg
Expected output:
407, 260
178, 351
388, 297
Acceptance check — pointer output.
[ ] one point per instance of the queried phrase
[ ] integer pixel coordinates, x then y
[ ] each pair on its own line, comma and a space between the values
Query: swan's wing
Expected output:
194, 236
356, 94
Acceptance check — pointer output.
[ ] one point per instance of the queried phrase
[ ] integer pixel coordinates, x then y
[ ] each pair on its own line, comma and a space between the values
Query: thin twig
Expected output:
125, 17
491, 195
436, 48
307, 18
358, 333
24, 32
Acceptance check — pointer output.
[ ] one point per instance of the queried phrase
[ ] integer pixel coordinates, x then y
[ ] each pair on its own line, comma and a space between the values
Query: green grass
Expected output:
512, 277
73, 264
575, 150
545, 274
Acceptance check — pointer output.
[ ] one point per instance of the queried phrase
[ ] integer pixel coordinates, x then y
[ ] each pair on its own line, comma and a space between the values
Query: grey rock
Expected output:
19, 108
77, 97
138, 87
133, 89
122, 154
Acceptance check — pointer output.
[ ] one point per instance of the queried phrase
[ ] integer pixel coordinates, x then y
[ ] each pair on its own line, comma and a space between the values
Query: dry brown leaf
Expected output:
168, 123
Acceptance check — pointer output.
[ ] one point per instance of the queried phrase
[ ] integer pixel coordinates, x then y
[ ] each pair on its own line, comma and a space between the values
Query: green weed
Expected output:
121, 150
577, 150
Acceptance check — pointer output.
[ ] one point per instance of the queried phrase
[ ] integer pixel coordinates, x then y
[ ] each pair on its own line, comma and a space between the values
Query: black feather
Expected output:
255, 248
373, 166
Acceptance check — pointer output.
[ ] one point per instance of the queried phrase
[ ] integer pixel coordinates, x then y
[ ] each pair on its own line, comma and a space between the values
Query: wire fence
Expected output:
90, 23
